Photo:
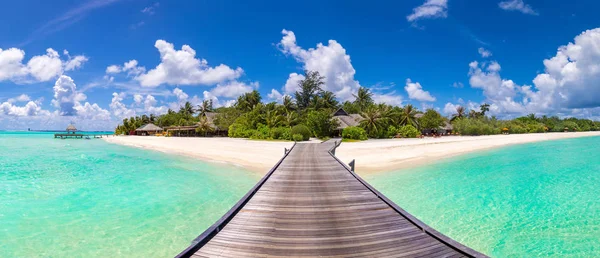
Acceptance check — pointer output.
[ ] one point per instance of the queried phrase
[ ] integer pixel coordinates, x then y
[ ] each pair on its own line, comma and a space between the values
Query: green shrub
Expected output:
536, 128
281, 133
474, 126
392, 132
301, 130
237, 130
320, 123
517, 129
409, 131
354, 133
297, 137
261, 133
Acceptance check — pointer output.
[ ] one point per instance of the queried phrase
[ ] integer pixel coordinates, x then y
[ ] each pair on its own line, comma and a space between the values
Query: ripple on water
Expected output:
539, 199
73, 198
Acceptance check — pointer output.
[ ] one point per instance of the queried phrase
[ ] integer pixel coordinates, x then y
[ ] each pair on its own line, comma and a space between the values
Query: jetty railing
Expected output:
209, 233
426, 229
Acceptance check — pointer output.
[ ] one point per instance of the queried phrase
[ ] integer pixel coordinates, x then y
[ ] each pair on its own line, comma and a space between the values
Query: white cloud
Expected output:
119, 109
39, 68
329, 60
429, 10
20, 98
150, 10
291, 85
233, 89
181, 67
75, 62
45, 67
450, 109
415, 91
389, 98
517, 5
275, 95
113, 69
68, 100
484, 52
30, 109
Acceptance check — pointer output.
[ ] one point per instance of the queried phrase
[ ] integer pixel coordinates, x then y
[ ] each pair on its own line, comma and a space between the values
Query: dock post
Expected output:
351, 164
285, 151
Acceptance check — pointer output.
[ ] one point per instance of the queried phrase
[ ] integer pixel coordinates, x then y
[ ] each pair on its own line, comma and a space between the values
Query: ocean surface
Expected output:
89, 198
532, 200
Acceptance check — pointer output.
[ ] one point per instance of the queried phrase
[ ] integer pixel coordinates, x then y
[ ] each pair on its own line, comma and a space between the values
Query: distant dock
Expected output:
72, 133
79, 136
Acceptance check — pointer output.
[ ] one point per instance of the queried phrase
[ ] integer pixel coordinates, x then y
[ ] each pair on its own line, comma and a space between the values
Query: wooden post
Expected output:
285, 151
351, 164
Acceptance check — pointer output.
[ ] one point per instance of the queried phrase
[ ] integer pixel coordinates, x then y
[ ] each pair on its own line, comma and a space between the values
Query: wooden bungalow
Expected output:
148, 129
344, 120
190, 130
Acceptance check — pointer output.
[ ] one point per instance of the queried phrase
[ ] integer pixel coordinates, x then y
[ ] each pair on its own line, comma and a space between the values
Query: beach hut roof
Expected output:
345, 120
71, 128
149, 127
419, 115
447, 126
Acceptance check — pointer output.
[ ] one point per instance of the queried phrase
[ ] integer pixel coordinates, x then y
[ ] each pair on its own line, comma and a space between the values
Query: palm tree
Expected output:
288, 103
375, 119
206, 106
408, 116
248, 101
473, 114
532, 117
204, 126
152, 118
327, 100
460, 113
272, 118
484, 108
187, 110
364, 98
290, 119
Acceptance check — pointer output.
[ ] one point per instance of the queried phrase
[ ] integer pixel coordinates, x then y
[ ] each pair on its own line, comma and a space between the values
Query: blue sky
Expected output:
430, 53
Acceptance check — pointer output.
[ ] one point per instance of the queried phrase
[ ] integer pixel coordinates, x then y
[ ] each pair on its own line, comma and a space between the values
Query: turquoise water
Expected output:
82, 198
532, 200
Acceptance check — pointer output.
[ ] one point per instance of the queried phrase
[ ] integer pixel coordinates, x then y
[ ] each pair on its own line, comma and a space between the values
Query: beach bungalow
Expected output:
446, 129
190, 130
344, 120
148, 129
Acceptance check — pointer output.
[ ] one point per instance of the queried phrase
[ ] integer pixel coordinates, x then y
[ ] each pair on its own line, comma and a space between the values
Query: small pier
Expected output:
313, 205
79, 136
72, 133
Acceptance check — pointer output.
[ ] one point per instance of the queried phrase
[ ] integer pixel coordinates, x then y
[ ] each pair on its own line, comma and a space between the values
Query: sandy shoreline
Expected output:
371, 156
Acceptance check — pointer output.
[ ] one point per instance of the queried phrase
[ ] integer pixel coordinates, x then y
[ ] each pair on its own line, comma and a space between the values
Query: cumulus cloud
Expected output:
429, 10
517, 5
39, 68
389, 98
415, 91
30, 109
68, 100
291, 85
450, 109
275, 95
20, 98
233, 89
178, 67
484, 52
329, 60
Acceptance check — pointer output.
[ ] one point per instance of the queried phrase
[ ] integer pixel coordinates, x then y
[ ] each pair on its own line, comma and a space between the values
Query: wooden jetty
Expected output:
313, 205
79, 135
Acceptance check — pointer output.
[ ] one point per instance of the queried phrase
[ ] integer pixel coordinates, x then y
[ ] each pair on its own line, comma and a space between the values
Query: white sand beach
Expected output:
371, 156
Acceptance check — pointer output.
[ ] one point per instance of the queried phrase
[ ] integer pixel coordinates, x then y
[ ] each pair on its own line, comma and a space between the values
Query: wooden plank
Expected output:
312, 205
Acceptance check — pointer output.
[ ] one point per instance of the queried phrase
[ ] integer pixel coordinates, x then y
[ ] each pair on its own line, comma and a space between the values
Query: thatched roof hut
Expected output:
148, 129
346, 120
71, 128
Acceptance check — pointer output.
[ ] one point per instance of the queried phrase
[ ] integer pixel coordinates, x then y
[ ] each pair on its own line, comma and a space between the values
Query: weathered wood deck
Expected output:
310, 204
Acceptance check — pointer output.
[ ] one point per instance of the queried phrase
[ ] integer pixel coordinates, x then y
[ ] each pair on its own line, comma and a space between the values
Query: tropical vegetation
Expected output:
308, 113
